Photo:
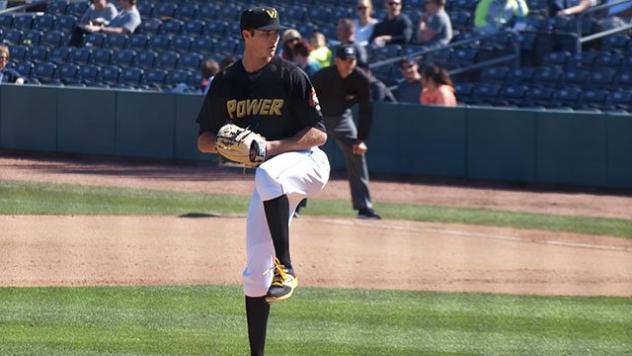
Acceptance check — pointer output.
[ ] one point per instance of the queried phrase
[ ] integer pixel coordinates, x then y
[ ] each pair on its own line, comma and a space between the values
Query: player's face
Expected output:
262, 43
345, 66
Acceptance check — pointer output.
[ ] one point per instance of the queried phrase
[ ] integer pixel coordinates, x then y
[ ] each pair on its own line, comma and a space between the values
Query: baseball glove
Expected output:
240, 145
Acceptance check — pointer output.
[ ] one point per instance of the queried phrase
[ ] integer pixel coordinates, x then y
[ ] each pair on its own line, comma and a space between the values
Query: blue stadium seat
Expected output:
296, 13
548, 76
132, 76
38, 54
618, 42
205, 45
229, 12
25, 68
146, 59
6, 21
461, 20
585, 60
68, 73
110, 74
66, 23
567, 96
60, 55
155, 77
172, 26
514, 94
165, 9
124, 58
14, 37
623, 79
486, 93
32, 37
593, 98
575, 77
23, 22
522, 75
208, 11
160, 42
150, 26
559, 58
181, 44
44, 72
463, 91
601, 78
216, 28
610, 60
187, 11
89, 74
194, 27
81, 55
95, 39
620, 99
116, 41
19, 53
167, 60
138, 42
146, 9
190, 61
495, 74
77, 8
45, 22
539, 96
57, 7
175, 77
102, 56
53, 39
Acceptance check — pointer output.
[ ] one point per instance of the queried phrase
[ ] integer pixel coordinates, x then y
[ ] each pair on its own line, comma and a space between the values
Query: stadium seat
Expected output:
138, 42
155, 77
567, 96
146, 59
124, 58
522, 75
81, 55
575, 77
175, 77
110, 74
172, 26
208, 11
194, 27
44, 72
181, 44
230, 12
623, 79
57, 7
539, 96
601, 78
167, 60
165, 9
548, 76
486, 93
216, 28
146, 9
19, 53
116, 42
495, 74
159, 42
45, 22
101, 56
32, 38
53, 39
610, 60
66, 23
150, 26
38, 54
89, 74
60, 55
132, 76
68, 73
559, 58
618, 42
463, 91
95, 39
585, 60
14, 37
23, 22
77, 8
25, 68
190, 61
620, 99
593, 98
187, 11
514, 94
6, 21
296, 13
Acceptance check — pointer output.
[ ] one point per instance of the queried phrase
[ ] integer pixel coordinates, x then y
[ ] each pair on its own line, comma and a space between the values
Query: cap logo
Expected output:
272, 13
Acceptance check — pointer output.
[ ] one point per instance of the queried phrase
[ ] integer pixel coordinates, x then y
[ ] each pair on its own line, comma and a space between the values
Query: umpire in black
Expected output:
338, 87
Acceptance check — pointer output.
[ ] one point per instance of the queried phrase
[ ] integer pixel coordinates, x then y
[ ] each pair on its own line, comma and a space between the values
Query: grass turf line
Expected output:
210, 320
17, 197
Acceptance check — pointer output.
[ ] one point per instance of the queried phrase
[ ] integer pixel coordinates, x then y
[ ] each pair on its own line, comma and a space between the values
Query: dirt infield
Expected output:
388, 254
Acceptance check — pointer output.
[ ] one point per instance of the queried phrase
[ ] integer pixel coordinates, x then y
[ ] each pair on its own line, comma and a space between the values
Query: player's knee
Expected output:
267, 186
255, 284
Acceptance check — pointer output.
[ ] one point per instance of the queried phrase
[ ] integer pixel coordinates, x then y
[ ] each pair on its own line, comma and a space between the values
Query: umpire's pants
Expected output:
344, 131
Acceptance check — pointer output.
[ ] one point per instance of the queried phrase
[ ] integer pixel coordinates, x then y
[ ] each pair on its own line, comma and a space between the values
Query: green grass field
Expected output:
209, 320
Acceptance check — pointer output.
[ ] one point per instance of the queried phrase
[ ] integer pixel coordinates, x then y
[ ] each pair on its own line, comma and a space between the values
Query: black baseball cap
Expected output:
260, 18
346, 52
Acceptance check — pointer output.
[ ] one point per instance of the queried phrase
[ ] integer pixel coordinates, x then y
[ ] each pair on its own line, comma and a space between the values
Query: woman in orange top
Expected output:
437, 87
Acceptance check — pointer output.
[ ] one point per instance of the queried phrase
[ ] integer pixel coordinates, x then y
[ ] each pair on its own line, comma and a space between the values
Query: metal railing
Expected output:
22, 7
580, 40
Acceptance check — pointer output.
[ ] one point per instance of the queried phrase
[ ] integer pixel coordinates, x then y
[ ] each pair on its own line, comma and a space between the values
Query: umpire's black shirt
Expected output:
337, 95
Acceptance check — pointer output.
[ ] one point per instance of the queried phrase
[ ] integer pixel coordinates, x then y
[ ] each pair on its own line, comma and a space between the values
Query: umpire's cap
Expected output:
260, 18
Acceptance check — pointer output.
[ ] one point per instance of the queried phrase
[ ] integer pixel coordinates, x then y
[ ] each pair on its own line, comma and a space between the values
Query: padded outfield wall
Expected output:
567, 148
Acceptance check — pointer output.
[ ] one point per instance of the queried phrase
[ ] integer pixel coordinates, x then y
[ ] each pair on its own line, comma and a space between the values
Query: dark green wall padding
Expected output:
515, 145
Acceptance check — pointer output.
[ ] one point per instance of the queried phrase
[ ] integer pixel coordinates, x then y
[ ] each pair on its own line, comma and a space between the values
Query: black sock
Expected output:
257, 311
278, 214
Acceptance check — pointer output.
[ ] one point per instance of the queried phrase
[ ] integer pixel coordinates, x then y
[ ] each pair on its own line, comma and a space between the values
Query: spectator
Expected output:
99, 13
125, 23
409, 90
571, 7
618, 16
299, 55
435, 27
8, 75
320, 52
209, 69
346, 35
379, 90
365, 22
492, 15
290, 36
437, 87
396, 28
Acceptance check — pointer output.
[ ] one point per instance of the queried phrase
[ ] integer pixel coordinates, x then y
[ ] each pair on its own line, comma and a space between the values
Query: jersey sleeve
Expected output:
213, 112
304, 102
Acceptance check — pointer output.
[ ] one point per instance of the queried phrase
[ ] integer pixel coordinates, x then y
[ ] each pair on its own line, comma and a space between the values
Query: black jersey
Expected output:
277, 101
